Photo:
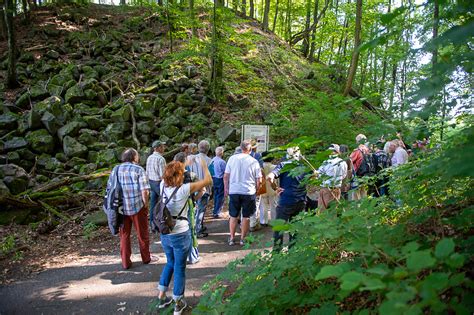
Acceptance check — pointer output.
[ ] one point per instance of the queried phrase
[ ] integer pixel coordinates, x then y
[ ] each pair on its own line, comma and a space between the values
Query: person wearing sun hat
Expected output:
332, 172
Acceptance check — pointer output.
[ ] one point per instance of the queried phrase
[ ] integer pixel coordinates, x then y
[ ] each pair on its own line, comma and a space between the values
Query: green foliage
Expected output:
89, 230
367, 256
8, 244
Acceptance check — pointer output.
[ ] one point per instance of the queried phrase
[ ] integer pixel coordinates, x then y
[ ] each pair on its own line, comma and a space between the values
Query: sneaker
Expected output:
194, 262
242, 242
165, 302
231, 242
202, 234
179, 306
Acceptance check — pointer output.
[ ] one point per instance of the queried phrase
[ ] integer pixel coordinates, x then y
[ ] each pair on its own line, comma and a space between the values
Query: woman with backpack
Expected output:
177, 243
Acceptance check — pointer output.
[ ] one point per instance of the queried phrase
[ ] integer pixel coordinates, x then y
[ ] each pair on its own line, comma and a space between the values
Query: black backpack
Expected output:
113, 202
367, 167
381, 161
163, 222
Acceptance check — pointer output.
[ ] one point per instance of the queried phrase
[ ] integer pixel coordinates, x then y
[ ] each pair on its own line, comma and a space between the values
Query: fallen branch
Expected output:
67, 181
54, 211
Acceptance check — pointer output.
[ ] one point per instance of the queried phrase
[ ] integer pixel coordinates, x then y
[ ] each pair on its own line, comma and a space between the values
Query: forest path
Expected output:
96, 284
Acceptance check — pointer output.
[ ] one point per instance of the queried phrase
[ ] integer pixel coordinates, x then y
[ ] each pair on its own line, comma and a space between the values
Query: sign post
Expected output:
258, 132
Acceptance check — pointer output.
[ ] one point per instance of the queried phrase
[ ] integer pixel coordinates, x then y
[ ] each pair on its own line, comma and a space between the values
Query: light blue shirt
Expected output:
219, 167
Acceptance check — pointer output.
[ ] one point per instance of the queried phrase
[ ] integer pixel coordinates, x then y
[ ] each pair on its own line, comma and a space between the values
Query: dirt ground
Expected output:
64, 273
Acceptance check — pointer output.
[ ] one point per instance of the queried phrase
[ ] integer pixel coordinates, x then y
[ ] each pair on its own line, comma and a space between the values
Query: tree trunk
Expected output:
288, 20
193, 18
313, 33
266, 12
355, 53
336, 9
217, 63
305, 46
252, 9
393, 87
244, 8
434, 59
275, 18
363, 73
11, 72
3, 25
26, 14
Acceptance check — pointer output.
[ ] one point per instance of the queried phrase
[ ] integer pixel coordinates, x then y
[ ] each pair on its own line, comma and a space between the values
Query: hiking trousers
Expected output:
140, 222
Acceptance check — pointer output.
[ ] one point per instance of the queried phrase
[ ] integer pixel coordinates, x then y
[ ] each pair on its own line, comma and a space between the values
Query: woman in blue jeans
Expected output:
176, 245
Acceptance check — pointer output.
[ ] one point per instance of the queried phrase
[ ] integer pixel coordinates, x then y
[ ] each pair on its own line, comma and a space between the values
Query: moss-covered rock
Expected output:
106, 157
115, 131
184, 100
74, 94
13, 157
71, 129
9, 121
41, 141
145, 127
23, 101
14, 177
98, 218
50, 122
122, 114
73, 148
4, 191
26, 154
49, 163
144, 108
94, 122
15, 143
88, 136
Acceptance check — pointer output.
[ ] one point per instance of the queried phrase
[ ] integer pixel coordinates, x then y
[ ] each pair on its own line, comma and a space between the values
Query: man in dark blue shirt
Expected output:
292, 193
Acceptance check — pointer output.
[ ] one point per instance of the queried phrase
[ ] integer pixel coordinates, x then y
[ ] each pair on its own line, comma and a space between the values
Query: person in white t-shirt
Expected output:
242, 178
176, 245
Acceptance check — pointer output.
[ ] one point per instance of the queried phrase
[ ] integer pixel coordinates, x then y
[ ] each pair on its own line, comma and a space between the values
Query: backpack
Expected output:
211, 169
163, 222
367, 167
381, 161
113, 202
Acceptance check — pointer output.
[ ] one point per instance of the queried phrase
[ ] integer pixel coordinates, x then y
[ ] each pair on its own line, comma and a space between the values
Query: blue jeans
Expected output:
201, 209
154, 195
218, 184
176, 248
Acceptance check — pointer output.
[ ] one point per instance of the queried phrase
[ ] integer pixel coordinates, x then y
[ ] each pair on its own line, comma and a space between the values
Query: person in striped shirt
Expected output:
135, 190
155, 168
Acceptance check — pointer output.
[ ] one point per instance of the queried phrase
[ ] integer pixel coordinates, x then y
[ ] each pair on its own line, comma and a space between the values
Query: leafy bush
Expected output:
412, 256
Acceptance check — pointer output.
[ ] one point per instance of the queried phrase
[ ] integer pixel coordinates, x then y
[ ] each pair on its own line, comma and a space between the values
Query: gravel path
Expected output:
96, 284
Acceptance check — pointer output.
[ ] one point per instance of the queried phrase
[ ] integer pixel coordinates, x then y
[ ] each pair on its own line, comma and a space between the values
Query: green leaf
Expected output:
380, 270
444, 248
351, 280
279, 225
456, 260
419, 260
329, 271
372, 284
436, 281
410, 247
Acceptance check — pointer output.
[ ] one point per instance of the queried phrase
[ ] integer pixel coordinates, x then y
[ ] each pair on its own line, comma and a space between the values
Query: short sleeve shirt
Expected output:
179, 200
244, 171
134, 181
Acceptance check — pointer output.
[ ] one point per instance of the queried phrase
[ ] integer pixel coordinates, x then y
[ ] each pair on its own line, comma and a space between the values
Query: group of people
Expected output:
256, 189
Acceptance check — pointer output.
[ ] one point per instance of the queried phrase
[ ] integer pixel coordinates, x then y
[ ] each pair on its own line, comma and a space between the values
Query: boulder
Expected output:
4, 191
50, 122
183, 81
13, 157
144, 108
52, 54
15, 143
226, 133
71, 129
184, 100
49, 163
26, 154
75, 162
94, 121
74, 94
73, 148
87, 168
9, 121
41, 141
106, 157
98, 218
191, 71
34, 119
115, 131
23, 101
122, 114
145, 127
38, 93
169, 131
88, 136
90, 72
166, 83
14, 177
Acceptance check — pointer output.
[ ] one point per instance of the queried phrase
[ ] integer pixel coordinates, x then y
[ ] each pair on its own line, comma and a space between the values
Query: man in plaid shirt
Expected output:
136, 188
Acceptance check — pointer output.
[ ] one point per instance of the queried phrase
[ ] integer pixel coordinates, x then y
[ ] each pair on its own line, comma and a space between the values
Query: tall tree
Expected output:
266, 12
217, 63
244, 7
355, 52
252, 9
305, 46
3, 25
11, 72
276, 15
